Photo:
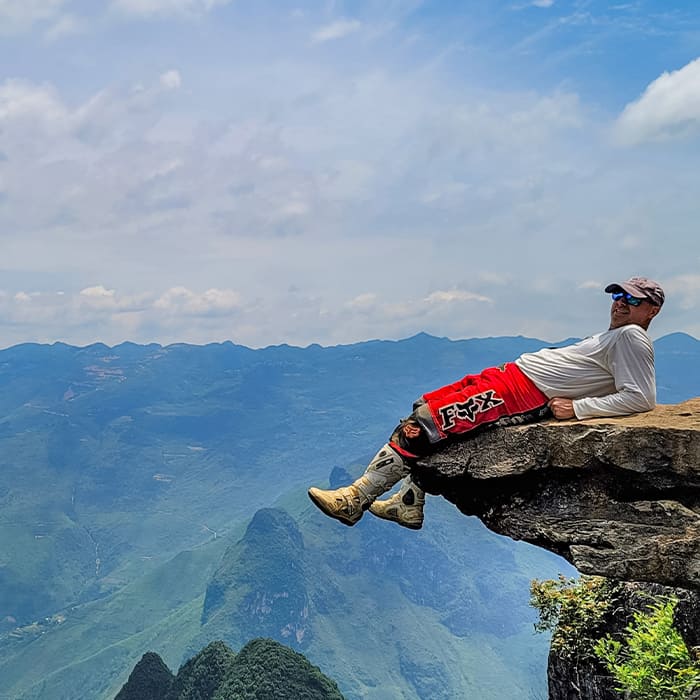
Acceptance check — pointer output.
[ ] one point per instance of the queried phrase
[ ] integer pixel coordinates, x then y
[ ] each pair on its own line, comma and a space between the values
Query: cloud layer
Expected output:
21, 16
151, 8
290, 174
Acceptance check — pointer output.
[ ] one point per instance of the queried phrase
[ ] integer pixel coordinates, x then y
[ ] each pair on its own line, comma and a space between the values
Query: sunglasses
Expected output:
627, 298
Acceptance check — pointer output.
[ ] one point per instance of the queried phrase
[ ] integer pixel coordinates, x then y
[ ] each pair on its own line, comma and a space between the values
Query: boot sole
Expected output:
409, 526
320, 505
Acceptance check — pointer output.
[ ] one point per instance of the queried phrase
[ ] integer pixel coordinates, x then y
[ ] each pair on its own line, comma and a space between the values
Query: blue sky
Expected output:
268, 172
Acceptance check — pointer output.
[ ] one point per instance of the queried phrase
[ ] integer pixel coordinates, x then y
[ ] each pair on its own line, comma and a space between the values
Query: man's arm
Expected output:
631, 361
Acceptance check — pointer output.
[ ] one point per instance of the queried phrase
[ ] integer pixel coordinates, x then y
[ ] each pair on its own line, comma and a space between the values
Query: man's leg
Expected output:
494, 397
347, 504
497, 396
406, 507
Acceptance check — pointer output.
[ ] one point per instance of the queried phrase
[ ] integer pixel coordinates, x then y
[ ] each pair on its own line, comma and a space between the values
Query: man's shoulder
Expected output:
631, 333
632, 329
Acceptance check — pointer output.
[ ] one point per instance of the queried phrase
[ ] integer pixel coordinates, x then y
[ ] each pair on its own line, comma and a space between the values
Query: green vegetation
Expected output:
150, 680
574, 611
652, 662
203, 674
649, 662
266, 670
262, 670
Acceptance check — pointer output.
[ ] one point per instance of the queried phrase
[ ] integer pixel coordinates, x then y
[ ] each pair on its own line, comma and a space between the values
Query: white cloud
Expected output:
21, 15
171, 80
543, 3
683, 291
97, 292
99, 313
68, 25
668, 108
455, 295
294, 208
362, 301
93, 157
34, 116
21, 100
166, 168
213, 302
336, 30
152, 8
493, 278
101, 299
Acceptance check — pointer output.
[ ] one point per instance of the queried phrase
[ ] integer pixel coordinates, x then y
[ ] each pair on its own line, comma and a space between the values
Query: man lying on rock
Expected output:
608, 374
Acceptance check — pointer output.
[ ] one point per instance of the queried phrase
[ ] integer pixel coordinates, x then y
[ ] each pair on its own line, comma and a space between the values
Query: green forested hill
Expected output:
128, 480
262, 670
151, 679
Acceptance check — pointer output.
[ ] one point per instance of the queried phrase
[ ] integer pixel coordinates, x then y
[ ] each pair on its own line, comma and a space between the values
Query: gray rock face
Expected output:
617, 497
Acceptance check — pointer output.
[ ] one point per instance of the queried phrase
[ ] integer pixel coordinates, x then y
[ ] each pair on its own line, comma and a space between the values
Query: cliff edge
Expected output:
617, 497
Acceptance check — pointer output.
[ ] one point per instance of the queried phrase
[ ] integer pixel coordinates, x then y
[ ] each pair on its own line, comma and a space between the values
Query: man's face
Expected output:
622, 314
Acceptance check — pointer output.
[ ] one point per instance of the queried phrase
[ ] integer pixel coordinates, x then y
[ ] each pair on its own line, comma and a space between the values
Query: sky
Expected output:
331, 172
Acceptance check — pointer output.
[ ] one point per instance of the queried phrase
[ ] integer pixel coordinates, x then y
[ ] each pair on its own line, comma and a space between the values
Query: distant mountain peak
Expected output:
265, 566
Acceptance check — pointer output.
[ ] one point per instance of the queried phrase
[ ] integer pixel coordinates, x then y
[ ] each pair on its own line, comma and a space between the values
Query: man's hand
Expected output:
562, 408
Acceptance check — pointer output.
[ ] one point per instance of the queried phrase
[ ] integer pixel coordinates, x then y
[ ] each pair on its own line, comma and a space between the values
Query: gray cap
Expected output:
640, 287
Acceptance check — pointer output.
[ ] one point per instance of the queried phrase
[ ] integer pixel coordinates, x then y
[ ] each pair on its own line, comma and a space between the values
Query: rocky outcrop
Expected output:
617, 497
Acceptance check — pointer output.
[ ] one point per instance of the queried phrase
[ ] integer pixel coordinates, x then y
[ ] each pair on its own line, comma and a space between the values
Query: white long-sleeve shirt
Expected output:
607, 374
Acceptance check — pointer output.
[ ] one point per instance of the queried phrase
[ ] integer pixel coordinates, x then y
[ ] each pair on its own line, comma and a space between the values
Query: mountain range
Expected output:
152, 499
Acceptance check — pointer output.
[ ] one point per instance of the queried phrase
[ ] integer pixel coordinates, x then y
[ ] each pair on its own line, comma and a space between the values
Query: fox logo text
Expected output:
468, 410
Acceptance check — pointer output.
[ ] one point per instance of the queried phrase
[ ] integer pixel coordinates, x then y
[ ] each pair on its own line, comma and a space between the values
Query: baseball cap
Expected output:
640, 287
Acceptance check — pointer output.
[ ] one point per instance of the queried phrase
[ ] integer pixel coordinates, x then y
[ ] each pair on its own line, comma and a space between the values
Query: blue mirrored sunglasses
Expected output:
627, 298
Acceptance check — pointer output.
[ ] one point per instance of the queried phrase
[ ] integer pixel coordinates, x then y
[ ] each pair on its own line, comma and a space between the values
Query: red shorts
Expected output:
500, 395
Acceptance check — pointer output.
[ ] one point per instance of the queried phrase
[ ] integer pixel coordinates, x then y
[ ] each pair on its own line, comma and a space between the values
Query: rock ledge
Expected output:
617, 497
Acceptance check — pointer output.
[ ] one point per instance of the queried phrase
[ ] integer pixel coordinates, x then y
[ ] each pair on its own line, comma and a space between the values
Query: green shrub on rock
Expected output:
573, 611
652, 662
648, 659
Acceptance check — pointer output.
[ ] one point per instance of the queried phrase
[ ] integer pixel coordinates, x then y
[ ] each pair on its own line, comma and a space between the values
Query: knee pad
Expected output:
419, 446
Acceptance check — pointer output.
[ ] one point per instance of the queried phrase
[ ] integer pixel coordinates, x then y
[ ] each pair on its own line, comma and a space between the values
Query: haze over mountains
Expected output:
153, 498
